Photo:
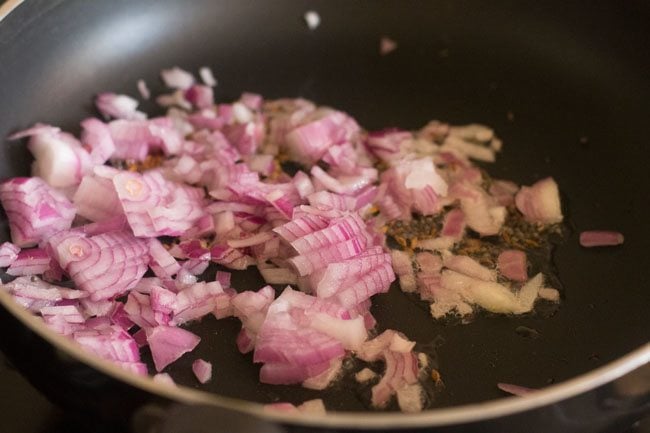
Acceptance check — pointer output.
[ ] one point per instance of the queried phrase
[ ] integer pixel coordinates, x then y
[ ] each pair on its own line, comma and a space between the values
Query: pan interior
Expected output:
565, 87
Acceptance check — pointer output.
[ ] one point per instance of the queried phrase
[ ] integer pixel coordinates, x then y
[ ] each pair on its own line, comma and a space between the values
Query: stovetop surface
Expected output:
26, 410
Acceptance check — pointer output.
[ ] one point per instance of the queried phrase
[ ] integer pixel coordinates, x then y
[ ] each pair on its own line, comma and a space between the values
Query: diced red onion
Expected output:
33, 261
307, 143
138, 309
600, 238
34, 210
197, 300
482, 214
112, 343
161, 262
168, 343
70, 313
200, 96
8, 254
454, 224
105, 265
285, 374
118, 106
513, 265
324, 379
155, 207
96, 199
504, 191
96, 135
202, 370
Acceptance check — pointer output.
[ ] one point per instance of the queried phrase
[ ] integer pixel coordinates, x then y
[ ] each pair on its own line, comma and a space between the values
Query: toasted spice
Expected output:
150, 162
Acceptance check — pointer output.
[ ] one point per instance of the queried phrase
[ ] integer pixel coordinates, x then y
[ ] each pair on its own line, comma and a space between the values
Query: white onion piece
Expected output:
207, 76
278, 276
96, 199
549, 294
177, 78
365, 375
312, 19
420, 173
540, 202
482, 214
468, 266
118, 106
410, 398
468, 149
528, 293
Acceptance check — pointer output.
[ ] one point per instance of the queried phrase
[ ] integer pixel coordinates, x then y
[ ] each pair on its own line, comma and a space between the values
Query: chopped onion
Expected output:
324, 229
468, 266
177, 78
60, 160
33, 261
34, 210
600, 238
96, 135
104, 265
202, 370
8, 254
365, 375
540, 202
512, 265
168, 343
118, 106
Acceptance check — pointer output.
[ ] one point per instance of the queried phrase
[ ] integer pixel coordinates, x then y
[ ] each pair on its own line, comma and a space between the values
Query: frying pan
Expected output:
566, 86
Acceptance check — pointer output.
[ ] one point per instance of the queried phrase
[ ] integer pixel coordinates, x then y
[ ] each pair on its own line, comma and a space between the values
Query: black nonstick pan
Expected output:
566, 85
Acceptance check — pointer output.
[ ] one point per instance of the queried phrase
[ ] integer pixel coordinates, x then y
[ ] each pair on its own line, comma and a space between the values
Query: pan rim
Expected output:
357, 420
7, 7
434, 417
